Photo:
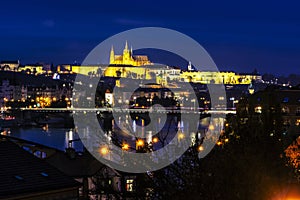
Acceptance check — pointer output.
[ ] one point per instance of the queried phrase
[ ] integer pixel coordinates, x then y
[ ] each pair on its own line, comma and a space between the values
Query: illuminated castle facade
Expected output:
132, 66
127, 58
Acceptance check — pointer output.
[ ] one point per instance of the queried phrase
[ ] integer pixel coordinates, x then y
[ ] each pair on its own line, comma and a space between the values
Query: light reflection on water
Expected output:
54, 137
58, 138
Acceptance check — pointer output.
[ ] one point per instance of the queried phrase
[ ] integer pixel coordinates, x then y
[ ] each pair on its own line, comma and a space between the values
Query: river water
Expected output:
59, 138
52, 137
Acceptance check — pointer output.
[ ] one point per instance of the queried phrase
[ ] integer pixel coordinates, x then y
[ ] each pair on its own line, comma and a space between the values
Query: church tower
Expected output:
112, 56
126, 54
190, 68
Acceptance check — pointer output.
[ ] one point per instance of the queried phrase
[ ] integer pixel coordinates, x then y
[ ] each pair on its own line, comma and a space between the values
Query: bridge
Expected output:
160, 110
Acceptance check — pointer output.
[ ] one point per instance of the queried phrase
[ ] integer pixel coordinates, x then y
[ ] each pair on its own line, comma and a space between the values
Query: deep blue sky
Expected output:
239, 36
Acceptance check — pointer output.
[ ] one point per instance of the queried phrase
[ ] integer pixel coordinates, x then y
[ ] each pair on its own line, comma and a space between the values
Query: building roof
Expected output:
277, 94
22, 173
80, 166
140, 58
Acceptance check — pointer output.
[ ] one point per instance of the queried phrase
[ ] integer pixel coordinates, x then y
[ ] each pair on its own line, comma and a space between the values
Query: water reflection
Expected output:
57, 138
161, 130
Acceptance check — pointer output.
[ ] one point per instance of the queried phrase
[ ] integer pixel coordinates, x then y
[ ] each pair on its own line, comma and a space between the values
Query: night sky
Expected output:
239, 36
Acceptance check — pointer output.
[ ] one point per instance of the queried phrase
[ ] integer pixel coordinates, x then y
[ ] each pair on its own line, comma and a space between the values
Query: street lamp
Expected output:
200, 148
140, 143
104, 150
180, 136
125, 146
155, 140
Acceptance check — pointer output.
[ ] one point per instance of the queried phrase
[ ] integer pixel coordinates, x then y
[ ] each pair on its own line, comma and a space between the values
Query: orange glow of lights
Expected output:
140, 143
154, 140
211, 127
226, 140
200, 148
125, 146
219, 143
180, 135
104, 150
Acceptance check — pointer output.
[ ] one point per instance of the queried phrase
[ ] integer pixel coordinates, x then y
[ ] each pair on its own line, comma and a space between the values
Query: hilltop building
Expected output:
10, 65
127, 58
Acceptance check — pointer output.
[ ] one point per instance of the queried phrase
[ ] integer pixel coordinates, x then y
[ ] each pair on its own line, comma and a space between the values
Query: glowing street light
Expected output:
200, 148
211, 127
155, 140
104, 150
180, 136
125, 146
140, 143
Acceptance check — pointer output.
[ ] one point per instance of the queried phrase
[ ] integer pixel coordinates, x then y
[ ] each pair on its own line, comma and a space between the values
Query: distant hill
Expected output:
19, 78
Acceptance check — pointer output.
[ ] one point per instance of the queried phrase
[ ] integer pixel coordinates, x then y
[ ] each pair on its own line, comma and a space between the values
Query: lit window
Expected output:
44, 174
129, 185
221, 98
19, 177
297, 123
285, 100
258, 109
298, 111
285, 109
286, 122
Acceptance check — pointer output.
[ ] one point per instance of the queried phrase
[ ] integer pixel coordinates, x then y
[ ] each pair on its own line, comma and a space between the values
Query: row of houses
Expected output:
275, 109
10, 92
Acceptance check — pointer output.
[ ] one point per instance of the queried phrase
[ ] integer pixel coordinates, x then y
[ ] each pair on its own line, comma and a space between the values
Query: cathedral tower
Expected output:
126, 54
112, 56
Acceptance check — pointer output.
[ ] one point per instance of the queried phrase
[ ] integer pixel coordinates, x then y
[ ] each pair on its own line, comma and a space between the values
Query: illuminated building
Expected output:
139, 67
87, 70
128, 65
9, 65
207, 77
32, 69
127, 58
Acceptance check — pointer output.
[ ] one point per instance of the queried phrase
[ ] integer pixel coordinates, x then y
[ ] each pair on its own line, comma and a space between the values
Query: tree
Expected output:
292, 153
244, 167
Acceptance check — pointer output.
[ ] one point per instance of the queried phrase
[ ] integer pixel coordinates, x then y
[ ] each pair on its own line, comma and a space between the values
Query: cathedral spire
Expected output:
126, 52
126, 45
112, 55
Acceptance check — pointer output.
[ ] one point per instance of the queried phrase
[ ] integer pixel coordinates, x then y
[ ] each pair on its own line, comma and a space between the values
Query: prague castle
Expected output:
128, 58
132, 66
